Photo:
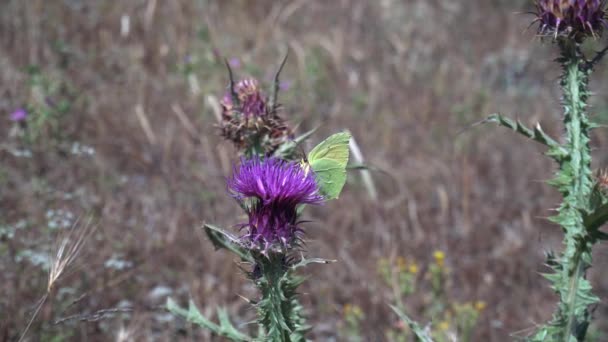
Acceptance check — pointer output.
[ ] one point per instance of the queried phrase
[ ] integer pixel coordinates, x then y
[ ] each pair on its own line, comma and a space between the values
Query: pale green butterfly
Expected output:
328, 161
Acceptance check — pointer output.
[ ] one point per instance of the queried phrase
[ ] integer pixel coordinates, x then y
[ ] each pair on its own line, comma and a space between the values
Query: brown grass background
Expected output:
405, 76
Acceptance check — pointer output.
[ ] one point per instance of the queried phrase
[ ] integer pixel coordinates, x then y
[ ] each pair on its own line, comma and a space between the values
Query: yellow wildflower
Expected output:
413, 268
347, 309
444, 325
480, 305
439, 258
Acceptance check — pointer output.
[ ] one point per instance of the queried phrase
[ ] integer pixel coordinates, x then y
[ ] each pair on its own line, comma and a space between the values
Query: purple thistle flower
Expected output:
285, 85
252, 102
18, 115
277, 188
235, 62
576, 18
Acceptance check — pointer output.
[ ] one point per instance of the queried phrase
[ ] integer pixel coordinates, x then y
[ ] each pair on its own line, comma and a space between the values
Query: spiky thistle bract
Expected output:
573, 18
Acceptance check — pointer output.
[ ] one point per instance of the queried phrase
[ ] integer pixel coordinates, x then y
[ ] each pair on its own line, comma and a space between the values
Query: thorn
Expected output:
233, 95
249, 301
274, 95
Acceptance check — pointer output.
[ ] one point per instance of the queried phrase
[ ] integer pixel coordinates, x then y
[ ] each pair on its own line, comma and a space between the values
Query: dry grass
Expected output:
404, 76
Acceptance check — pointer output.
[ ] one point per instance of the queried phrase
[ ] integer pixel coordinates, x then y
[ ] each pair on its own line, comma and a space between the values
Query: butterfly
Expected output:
328, 162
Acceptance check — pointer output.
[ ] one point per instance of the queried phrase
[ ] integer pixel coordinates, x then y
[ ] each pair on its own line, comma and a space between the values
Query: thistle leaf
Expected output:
288, 148
193, 315
556, 151
223, 239
596, 219
422, 334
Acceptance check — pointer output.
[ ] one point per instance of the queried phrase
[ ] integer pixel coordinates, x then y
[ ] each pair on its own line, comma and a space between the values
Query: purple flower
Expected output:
285, 85
277, 188
235, 62
18, 115
252, 102
576, 18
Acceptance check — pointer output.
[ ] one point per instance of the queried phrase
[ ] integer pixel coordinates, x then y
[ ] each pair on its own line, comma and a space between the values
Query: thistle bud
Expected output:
247, 119
577, 19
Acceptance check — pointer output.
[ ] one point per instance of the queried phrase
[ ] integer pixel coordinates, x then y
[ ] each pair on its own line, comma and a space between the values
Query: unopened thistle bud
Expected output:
571, 18
248, 119
276, 188
602, 179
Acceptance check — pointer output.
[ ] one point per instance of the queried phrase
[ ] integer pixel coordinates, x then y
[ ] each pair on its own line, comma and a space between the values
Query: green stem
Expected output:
279, 310
574, 181
577, 129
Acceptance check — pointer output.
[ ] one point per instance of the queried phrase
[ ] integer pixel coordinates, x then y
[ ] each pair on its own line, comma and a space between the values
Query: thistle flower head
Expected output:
251, 103
574, 18
276, 188
250, 97
247, 119
18, 115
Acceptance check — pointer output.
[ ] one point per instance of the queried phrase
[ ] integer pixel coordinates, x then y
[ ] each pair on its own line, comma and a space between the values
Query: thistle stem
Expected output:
575, 183
279, 310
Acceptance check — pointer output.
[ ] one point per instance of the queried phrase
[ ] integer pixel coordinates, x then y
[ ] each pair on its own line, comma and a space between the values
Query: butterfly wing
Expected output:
328, 161
334, 148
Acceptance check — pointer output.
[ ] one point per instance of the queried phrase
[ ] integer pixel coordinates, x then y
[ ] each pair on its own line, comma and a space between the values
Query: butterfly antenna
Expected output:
274, 95
303, 153
233, 95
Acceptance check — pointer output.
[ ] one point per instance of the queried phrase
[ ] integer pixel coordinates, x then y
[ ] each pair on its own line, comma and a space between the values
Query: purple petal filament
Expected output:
18, 115
277, 188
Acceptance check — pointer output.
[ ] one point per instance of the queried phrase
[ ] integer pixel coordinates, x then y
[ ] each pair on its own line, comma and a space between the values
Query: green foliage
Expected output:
536, 134
574, 181
422, 334
193, 315
279, 310
353, 316
222, 239
288, 150
584, 207
51, 100
447, 318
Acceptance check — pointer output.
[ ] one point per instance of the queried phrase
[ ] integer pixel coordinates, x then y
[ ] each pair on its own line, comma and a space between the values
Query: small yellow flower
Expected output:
439, 258
444, 325
357, 312
413, 268
347, 309
480, 305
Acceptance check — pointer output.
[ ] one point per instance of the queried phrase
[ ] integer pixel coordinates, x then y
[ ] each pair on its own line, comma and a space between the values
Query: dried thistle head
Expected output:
571, 18
602, 179
250, 119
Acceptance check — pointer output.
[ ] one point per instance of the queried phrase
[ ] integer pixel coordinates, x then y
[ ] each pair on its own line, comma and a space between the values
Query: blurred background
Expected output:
122, 100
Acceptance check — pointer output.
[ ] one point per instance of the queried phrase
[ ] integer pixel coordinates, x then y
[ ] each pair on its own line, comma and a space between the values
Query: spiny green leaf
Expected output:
422, 334
222, 239
536, 134
193, 315
596, 219
287, 149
